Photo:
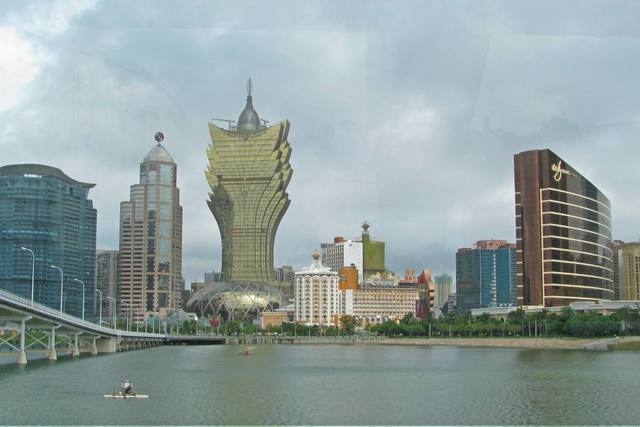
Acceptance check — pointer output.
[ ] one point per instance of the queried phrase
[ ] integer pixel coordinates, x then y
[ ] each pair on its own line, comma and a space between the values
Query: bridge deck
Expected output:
80, 335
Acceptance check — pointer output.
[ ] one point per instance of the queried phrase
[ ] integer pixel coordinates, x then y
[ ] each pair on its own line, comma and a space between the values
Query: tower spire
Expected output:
249, 121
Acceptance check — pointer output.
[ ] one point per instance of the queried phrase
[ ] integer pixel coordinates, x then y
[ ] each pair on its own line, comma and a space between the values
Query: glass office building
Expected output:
44, 210
485, 275
506, 279
563, 233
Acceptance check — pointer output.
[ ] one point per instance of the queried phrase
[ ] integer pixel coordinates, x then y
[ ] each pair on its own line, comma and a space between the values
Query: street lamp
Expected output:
61, 283
98, 291
82, 283
33, 268
113, 310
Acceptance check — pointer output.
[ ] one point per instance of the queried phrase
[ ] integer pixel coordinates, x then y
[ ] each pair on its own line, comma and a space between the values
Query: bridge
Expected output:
41, 329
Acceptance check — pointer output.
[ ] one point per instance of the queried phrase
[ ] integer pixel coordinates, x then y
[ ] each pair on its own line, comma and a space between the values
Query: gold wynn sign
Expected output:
558, 171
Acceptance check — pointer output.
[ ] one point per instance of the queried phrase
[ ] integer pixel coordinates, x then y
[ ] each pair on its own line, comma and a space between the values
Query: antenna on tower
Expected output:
229, 122
249, 87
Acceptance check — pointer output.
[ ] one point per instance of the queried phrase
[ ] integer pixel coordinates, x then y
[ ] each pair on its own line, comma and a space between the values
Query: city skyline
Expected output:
249, 212
452, 116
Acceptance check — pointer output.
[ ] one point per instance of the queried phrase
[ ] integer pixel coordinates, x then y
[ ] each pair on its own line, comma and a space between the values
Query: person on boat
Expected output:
127, 388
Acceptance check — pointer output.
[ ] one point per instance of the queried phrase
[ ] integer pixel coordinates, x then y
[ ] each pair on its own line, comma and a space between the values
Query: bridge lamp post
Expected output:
82, 283
33, 268
115, 307
98, 291
61, 283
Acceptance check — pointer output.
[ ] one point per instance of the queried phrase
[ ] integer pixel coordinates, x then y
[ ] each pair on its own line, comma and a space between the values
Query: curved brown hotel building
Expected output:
563, 233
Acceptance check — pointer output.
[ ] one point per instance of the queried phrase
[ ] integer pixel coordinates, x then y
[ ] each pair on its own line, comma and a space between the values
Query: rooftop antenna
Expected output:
230, 122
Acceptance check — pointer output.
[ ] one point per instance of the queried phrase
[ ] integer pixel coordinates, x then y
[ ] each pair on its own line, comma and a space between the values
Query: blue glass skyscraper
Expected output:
506, 279
44, 210
485, 275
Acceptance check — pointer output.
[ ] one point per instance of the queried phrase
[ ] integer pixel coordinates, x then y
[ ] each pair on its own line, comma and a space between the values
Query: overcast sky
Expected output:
404, 114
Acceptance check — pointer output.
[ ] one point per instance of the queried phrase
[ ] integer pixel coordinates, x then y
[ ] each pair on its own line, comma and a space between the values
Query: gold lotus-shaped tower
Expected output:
248, 174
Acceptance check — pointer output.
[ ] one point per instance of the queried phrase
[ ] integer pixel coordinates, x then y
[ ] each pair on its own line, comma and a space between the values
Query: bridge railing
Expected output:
38, 308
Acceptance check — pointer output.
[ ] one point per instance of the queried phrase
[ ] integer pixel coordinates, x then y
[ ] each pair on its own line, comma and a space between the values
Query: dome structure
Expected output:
236, 300
249, 121
316, 268
158, 154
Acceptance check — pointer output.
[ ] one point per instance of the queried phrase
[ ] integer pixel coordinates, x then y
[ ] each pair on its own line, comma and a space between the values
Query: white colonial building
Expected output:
317, 296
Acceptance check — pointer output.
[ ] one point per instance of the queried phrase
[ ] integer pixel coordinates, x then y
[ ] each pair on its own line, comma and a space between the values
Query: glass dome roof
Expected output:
235, 300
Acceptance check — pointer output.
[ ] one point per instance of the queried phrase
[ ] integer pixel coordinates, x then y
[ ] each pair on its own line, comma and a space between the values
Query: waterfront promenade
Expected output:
557, 343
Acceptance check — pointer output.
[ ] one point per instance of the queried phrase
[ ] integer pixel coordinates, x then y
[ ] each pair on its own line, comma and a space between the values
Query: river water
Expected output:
328, 384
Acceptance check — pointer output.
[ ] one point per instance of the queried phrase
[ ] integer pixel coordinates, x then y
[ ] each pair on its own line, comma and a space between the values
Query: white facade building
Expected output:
376, 304
317, 296
343, 253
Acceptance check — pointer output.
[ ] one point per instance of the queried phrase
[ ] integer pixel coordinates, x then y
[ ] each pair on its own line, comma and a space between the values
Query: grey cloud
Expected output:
406, 114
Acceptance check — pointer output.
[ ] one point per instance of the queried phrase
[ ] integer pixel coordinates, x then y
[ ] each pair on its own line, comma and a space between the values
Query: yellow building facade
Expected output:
248, 174
630, 271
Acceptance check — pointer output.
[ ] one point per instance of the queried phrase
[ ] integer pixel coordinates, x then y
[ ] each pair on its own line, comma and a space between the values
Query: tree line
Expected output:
517, 323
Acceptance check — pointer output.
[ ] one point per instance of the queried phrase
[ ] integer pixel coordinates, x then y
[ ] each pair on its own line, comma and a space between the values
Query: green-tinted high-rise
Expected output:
248, 174
45, 212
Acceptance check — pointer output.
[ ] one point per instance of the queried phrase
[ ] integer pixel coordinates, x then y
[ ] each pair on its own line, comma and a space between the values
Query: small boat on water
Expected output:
126, 392
244, 353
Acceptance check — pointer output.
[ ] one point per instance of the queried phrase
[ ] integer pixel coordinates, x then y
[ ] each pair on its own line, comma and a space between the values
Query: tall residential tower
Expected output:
151, 239
630, 271
444, 287
106, 281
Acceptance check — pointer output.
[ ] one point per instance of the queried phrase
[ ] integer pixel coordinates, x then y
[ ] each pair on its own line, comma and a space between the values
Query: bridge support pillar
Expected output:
107, 345
22, 354
94, 348
51, 354
76, 349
